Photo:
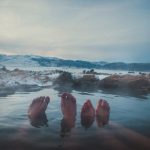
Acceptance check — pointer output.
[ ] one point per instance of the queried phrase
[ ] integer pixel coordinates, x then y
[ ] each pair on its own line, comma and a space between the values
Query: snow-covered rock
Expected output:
23, 77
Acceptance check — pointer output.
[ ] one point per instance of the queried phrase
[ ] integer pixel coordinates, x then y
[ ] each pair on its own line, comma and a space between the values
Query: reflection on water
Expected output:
39, 121
102, 120
125, 93
66, 126
87, 121
68, 108
131, 129
102, 112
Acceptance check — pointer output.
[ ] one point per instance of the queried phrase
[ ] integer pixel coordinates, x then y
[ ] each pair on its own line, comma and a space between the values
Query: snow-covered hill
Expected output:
17, 61
37, 61
31, 61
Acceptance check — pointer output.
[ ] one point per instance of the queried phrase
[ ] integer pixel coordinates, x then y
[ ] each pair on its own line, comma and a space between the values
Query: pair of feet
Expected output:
88, 113
68, 107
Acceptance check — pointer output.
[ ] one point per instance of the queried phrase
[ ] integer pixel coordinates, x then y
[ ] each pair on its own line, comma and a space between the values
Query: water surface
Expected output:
128, 116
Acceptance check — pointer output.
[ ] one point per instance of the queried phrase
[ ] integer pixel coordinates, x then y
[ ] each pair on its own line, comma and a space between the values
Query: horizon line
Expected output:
72, 59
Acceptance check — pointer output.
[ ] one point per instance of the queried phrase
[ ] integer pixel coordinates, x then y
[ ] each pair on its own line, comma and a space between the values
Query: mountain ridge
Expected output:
33, 60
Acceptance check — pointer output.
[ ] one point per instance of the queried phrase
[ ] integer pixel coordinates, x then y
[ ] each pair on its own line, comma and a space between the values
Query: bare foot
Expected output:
87, 114
38, 106
102, 112
68, 107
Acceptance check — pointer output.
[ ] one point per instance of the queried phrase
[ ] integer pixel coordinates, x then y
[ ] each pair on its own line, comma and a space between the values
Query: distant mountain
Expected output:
101, 63
64, 63
17, 60
31, 61
116, 66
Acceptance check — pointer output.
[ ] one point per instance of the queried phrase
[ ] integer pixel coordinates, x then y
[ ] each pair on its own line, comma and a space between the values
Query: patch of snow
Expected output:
22, 77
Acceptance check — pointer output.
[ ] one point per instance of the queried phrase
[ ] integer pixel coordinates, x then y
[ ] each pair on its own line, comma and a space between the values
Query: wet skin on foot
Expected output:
102, 112
68, 108
38, 106
87, 114
68, 105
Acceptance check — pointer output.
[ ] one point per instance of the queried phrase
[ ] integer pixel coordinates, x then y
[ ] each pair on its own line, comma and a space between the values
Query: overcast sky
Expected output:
94, 30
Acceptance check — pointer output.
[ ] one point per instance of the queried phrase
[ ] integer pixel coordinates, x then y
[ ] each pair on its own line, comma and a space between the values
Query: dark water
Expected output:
128, 128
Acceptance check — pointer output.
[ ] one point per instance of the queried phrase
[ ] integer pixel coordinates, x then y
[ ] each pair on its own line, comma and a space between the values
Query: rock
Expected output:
141, 85
130, 84
64, 78
110, 82
133, 83
87, 82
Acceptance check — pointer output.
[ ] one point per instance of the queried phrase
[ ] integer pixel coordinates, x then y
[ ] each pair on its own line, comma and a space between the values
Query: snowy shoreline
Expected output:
12, 80
24, 80
43, 78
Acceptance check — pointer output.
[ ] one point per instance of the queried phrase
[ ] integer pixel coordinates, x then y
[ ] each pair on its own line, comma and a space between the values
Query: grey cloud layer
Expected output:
92, 29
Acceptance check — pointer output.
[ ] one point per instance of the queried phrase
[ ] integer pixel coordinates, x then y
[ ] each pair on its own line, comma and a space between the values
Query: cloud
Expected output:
90, 30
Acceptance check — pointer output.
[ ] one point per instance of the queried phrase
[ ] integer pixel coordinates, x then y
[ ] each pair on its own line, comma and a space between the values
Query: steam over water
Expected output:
128, 125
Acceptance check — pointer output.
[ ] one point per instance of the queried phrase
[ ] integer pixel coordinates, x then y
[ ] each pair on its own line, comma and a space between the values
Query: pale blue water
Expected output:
16, 130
